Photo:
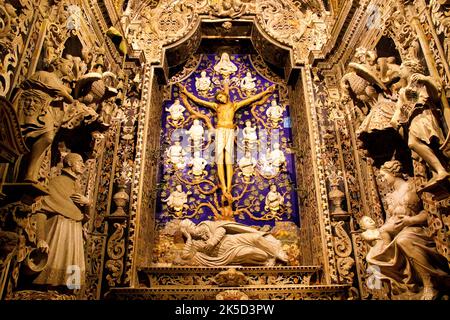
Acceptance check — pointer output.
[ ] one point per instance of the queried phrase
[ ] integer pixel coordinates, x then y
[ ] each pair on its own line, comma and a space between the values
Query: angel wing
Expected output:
368, 74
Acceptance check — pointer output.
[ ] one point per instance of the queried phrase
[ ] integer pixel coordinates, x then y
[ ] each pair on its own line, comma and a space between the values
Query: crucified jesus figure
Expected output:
224, 145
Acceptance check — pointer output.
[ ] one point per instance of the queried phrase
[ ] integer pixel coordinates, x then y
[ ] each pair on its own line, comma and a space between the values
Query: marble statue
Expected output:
177, 200
225, 129
59, 225
248, 82
249, 133
198, 165
225, 66
176, 155
203, 83
276, 157
415, 110
227, 8
247, 165
196, 133
176, 111
274, 113
274, 201
222, 243
44, 105
364, 83
401, 248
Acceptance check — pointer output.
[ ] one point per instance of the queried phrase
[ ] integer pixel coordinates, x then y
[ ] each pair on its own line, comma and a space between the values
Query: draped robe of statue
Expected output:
64, 233
395, 259
234, 244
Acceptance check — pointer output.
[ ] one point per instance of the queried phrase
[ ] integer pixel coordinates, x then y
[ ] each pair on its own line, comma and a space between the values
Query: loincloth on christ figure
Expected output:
224, 142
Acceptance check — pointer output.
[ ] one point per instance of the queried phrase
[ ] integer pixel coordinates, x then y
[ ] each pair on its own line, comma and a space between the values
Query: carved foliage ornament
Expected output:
172, 20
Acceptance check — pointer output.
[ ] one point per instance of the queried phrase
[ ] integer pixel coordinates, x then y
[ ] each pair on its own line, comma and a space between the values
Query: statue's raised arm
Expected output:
203, 103
265, 94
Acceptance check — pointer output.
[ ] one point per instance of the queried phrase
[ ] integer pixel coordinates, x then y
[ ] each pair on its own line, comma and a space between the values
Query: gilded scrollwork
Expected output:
15, 20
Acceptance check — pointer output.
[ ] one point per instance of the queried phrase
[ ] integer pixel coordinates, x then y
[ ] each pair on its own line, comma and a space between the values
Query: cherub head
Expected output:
179, 188
248, 123
203, 74
248, 74
276, 146
196, 122
274, 103
273, 188
367, 223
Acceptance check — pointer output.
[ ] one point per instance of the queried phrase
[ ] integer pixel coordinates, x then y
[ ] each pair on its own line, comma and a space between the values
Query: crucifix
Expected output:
224, 143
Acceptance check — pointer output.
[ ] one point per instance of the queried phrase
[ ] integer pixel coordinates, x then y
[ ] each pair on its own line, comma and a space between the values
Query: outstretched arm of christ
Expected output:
203, 103
255, 98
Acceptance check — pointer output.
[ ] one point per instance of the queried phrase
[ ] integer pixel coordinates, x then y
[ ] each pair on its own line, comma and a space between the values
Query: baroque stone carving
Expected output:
405, 255
59, 226
217, 243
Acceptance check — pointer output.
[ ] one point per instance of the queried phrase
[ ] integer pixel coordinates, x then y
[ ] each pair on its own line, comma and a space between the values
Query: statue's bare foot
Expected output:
437, 178
429, 293
442, 176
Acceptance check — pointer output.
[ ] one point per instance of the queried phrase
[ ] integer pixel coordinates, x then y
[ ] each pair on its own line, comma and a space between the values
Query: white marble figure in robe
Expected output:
225, 66
276, 157
176, 155
59, 225
248, 82
274, 112
223, 243
249, 133
176, 111
198, 164
247, 165
203, 83
274, 200
177, 199
196, 133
